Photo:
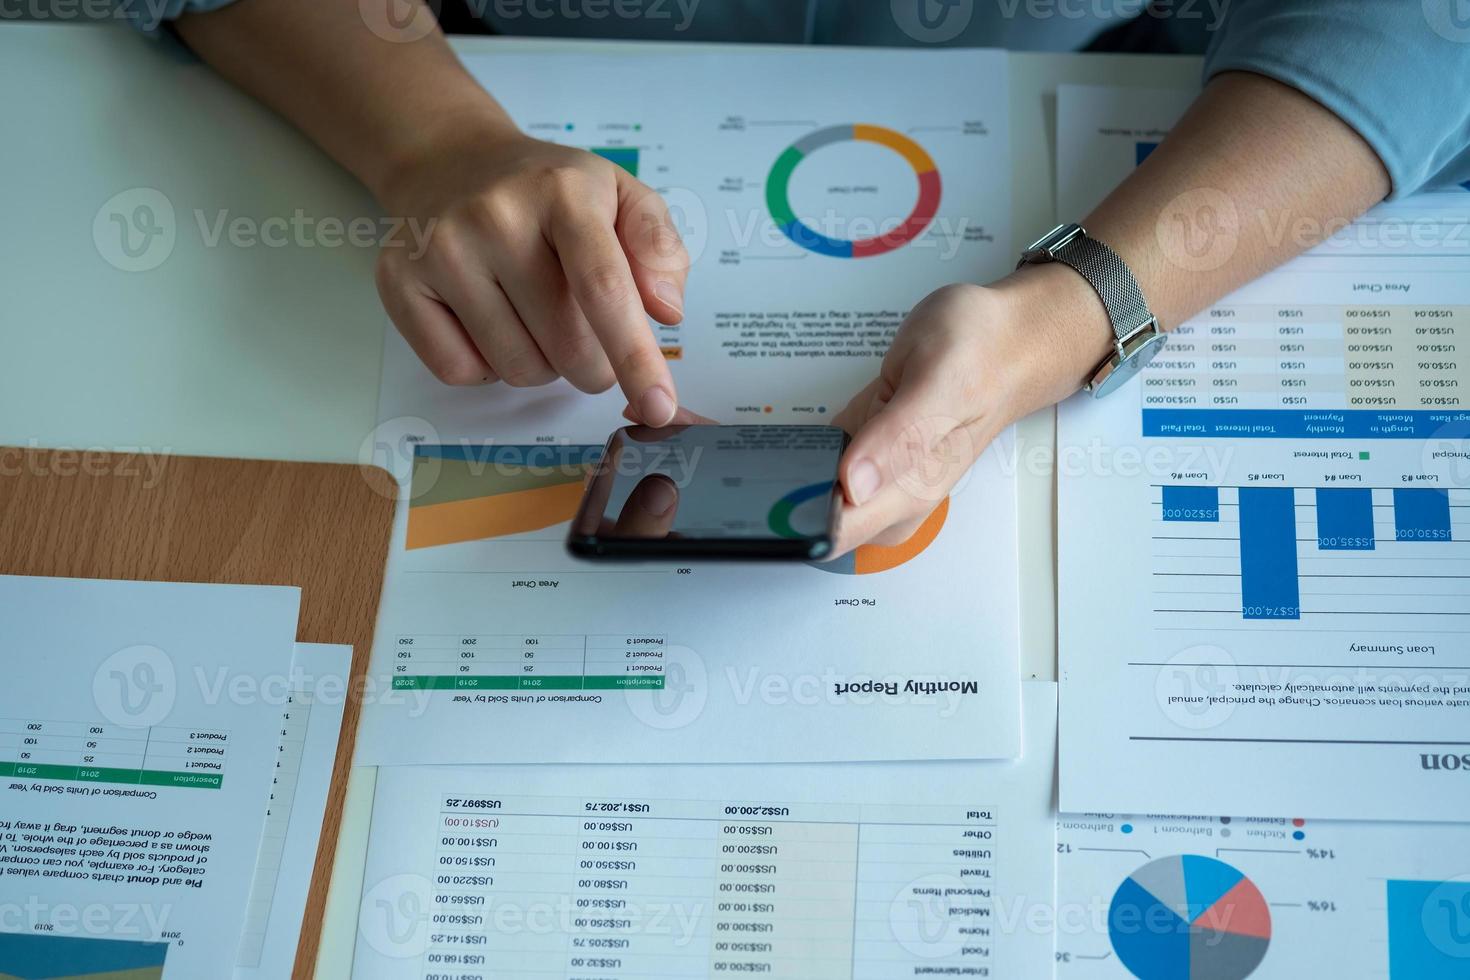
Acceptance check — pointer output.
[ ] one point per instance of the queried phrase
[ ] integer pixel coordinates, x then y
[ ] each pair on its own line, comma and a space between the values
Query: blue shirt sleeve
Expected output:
149, 15
1397, 71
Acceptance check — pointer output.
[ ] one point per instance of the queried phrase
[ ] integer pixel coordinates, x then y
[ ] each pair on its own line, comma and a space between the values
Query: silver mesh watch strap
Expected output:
1137, 336
1109, 275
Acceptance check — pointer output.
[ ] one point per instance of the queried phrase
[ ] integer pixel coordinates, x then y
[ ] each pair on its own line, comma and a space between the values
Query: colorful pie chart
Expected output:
1189, 917
778, 197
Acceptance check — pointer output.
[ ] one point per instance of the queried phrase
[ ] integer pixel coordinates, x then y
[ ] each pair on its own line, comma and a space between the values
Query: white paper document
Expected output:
139, 728
494, 646
803, 871
1264, 561
310, 724
1170, 898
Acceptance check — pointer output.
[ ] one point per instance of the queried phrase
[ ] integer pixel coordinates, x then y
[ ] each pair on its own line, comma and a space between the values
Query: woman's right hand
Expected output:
537, 261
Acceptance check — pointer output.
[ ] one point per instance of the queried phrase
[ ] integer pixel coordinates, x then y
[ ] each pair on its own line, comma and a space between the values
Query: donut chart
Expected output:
1189, 917
778, 199
779, 519
870, 558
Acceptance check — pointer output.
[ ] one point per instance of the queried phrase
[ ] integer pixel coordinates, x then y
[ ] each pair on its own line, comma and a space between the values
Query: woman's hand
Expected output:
967, 362
543, 261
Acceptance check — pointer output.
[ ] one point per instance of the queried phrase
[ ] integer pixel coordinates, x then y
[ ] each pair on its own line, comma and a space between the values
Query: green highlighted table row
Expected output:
95, 774
458, 682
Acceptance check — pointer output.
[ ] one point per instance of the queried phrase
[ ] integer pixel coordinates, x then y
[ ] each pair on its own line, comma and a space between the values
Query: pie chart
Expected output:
926, 204
798, 509
1189, 917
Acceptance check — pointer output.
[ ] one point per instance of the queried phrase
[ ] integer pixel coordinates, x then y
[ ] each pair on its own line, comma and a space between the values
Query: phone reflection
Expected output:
649, 511
711, 491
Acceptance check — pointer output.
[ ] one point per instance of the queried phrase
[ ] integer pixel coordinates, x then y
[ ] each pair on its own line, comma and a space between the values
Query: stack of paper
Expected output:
494, 647
1261, 592
165, 751
1264, 588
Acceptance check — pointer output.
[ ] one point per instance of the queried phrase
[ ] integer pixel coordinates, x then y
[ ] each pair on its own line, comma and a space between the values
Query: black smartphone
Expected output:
713, 491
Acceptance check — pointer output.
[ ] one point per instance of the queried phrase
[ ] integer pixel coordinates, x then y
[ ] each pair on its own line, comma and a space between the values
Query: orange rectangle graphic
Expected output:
493, 516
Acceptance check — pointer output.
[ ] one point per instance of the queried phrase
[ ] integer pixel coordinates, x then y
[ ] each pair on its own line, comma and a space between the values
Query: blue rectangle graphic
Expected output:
1345, 519
1197, 504
1268, 568
1428, 930
1421, 515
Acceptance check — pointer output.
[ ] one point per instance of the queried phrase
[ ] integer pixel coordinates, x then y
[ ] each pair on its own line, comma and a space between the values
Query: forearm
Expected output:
1254, 174
375, 105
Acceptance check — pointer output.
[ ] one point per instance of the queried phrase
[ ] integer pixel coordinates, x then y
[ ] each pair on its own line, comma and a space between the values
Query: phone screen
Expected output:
716, 490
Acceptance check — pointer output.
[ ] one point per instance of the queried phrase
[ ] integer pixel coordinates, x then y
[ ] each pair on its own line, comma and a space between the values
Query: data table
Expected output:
632, 888
80, 751
531, 662
1323, 371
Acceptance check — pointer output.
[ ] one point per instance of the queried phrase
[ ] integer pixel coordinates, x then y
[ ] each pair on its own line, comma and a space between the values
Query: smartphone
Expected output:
713, 491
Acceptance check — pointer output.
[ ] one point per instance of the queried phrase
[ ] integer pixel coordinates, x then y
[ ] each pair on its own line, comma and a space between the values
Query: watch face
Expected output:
1119, 371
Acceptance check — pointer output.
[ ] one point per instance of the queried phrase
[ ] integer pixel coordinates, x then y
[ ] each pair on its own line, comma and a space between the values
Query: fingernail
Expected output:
669, 293
657, 408
862, 481
658, 497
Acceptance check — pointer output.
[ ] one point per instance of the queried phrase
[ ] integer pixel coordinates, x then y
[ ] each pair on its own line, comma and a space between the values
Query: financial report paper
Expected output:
801, 871
494, 646
815, 216
139, 729
1272, 899
1264, 562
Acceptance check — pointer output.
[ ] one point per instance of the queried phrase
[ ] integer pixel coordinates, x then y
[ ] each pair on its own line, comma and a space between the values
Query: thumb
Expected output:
655, 251
909, 443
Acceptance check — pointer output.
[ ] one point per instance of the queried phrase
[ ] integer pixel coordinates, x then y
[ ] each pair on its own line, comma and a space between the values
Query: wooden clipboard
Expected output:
322, 527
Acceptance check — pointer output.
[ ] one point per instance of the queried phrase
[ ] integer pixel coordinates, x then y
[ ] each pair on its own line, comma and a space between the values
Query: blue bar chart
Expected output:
1269, 586
1421, 515
1345, 519
624, 156
1385, 557
1427, 936
1192, 504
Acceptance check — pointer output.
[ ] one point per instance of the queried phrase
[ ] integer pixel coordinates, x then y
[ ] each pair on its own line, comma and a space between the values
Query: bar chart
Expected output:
624, 156
1385, 557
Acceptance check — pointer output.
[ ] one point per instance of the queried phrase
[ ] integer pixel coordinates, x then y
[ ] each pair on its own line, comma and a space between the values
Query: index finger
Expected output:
602, 283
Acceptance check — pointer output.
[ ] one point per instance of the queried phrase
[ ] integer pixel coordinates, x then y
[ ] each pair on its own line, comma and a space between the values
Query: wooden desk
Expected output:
322, 527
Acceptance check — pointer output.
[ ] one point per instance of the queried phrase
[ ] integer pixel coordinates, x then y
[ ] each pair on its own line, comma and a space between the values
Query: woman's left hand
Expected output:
966, 363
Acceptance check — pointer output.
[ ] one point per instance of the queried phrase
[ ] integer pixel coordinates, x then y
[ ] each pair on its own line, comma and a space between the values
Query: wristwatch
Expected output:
1136, 331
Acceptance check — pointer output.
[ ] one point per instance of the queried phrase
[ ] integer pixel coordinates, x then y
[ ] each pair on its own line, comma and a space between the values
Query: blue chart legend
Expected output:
1348, 555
